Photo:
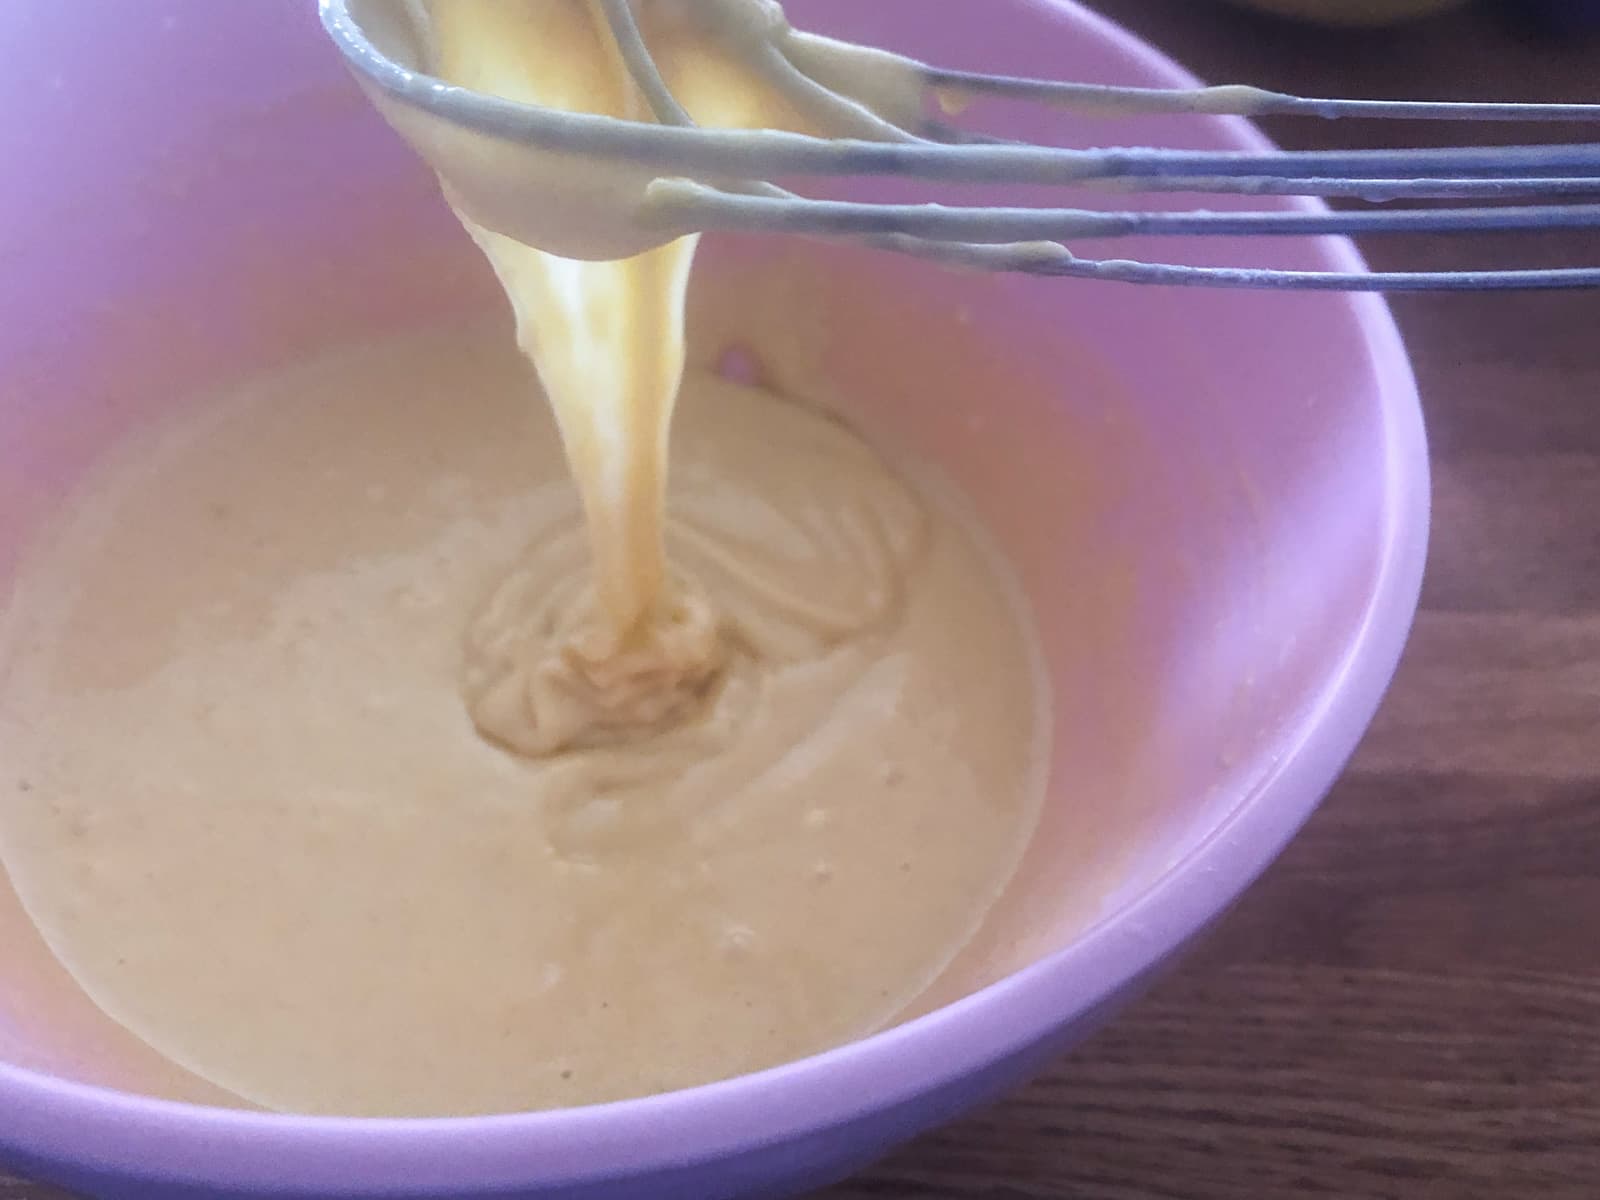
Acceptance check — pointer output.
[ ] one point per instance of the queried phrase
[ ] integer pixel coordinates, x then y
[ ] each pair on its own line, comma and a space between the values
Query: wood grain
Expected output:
1408, 1006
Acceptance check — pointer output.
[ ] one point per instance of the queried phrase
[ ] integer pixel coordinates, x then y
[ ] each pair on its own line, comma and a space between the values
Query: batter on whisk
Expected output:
642, 647
394, 749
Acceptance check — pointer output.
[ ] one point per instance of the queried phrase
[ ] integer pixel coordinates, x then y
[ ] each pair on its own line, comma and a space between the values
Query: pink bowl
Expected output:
1233, 492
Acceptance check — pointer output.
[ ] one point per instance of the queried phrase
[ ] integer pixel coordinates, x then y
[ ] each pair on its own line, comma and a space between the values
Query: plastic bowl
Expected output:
1218, 504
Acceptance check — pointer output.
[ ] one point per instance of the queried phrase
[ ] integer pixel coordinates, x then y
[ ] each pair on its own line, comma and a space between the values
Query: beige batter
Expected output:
382, 746
247, 808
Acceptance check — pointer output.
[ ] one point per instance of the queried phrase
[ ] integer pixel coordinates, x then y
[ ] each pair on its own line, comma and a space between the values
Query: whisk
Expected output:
706, 180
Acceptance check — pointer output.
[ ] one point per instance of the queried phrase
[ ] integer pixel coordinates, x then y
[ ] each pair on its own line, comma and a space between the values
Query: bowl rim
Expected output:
102, 1130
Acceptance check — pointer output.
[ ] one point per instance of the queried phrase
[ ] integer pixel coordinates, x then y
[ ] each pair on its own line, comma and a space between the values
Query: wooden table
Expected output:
1408, 1006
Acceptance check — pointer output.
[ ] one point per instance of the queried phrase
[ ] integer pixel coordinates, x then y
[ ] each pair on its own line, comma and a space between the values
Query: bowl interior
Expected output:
1195, 488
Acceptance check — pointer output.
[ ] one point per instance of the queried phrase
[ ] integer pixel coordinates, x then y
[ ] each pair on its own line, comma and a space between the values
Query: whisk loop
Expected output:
714, 179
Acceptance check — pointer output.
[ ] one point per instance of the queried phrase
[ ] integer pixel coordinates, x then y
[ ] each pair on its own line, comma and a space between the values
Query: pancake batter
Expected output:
384, 747
258, 826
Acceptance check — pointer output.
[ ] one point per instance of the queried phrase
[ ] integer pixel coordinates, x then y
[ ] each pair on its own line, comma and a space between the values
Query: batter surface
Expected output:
249, 809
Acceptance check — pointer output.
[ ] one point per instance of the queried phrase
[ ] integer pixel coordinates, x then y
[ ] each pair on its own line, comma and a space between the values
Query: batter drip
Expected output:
644, 646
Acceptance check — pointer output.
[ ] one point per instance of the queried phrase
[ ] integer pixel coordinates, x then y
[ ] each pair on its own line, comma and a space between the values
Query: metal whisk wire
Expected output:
743, 198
